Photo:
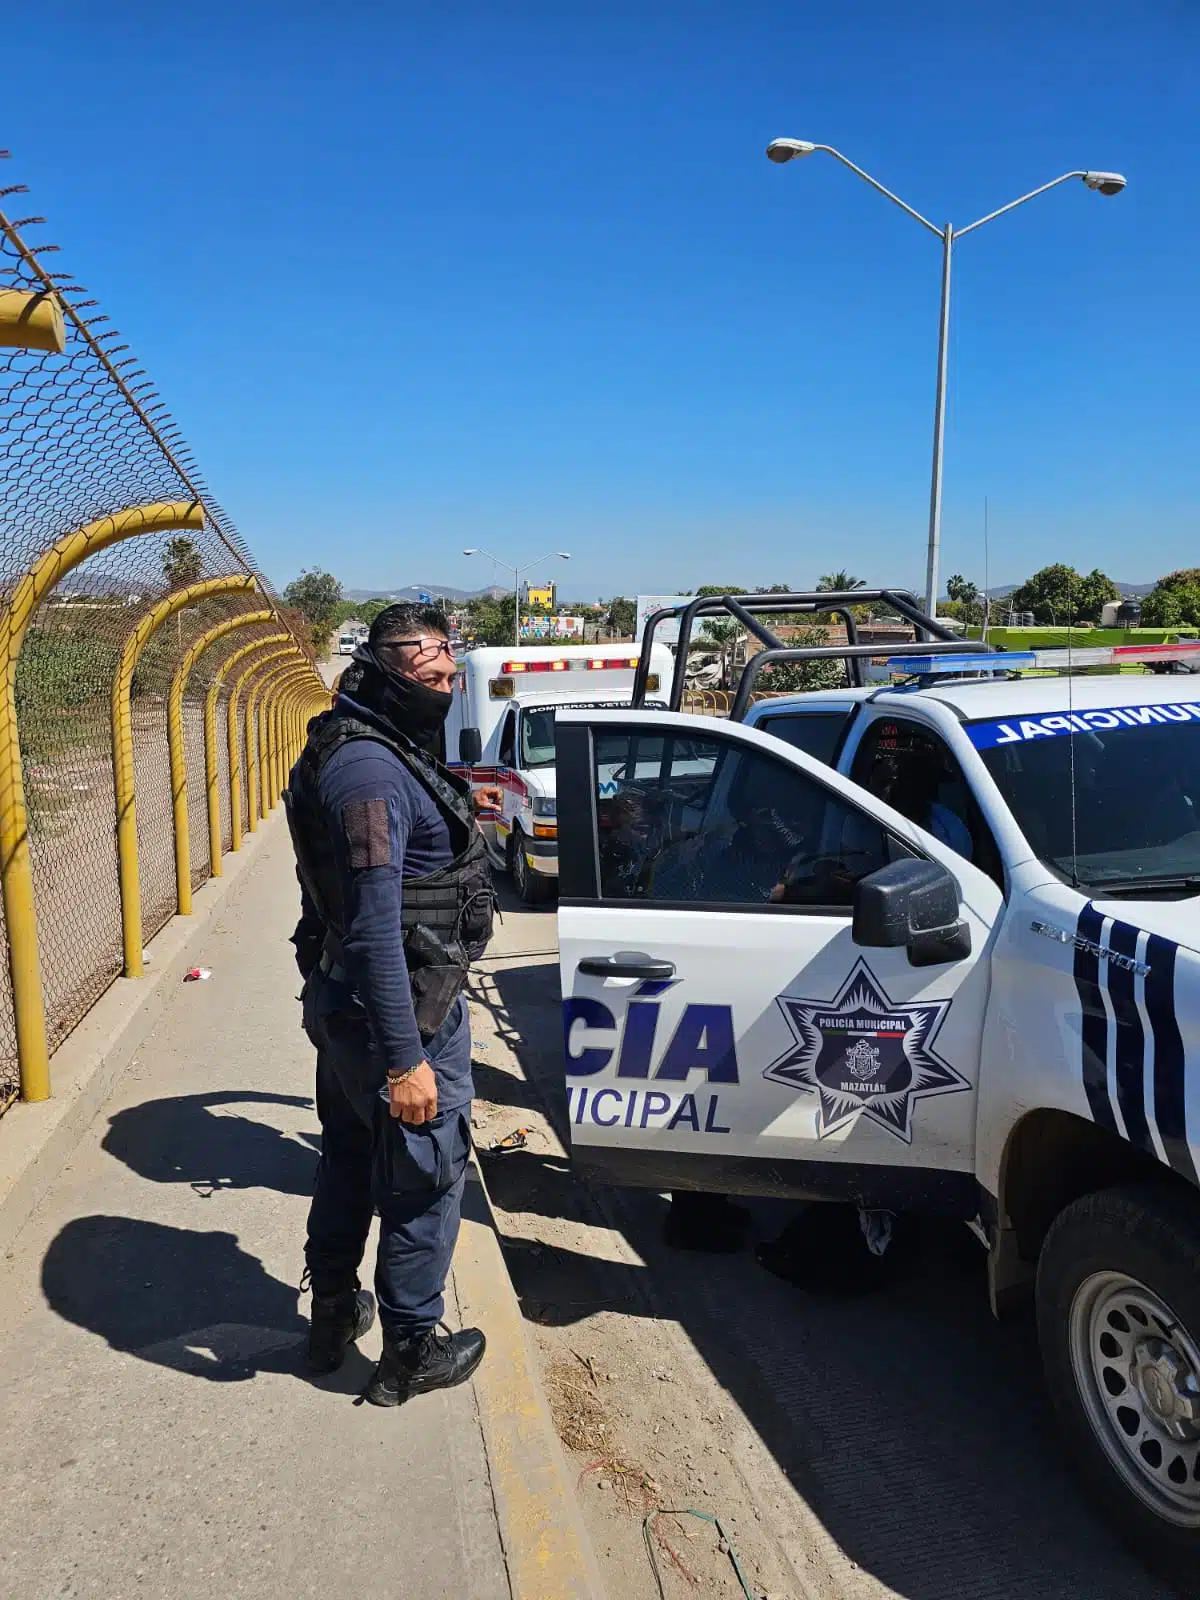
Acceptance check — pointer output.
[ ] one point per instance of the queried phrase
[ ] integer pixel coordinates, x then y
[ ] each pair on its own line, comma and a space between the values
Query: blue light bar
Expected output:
991, 661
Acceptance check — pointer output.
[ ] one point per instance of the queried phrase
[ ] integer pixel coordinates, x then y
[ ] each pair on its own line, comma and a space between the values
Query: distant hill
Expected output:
436, 589
1134, 591
496, 590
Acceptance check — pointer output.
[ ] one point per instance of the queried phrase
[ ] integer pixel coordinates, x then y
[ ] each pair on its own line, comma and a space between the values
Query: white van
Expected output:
500, 731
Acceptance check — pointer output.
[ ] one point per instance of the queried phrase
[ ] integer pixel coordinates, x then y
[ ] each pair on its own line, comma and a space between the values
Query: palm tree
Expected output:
839, 582
717, 634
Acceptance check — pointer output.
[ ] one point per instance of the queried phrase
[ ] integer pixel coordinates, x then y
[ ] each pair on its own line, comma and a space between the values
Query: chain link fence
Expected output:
83, 435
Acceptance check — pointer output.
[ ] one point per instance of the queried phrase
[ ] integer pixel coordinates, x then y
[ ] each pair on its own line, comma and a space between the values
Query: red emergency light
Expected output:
561, 664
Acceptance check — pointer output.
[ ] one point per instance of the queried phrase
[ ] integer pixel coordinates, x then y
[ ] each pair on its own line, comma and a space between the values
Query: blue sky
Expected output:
420, 276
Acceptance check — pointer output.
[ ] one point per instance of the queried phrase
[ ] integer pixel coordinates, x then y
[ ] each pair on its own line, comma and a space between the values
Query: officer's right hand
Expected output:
414, 1099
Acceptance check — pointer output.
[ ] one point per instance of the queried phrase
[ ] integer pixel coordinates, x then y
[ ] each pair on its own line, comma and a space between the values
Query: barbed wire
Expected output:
85, 434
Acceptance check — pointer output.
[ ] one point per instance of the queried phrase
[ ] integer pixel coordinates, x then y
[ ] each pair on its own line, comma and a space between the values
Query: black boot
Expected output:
337, 1321
430, 1361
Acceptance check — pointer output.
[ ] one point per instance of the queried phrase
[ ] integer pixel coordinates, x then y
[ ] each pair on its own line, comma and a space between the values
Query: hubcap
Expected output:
1138, 1373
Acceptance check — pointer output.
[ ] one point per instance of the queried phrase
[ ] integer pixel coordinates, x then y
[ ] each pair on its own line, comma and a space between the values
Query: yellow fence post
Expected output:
233, 745
32, 321
287, 718
257, 705
178, 758
295, 699
16, 870
122, 737
248, 741
268, 691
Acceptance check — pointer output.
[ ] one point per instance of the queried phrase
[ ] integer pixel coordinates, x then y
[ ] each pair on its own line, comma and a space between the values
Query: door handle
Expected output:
626, 967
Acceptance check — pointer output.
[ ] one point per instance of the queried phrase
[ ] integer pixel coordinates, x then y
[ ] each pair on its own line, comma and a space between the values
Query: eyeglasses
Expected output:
427, 649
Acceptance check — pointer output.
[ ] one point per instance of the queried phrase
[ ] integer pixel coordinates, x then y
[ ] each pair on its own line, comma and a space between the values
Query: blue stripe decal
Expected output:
1168, 1055
1130, 1041
1094, 1028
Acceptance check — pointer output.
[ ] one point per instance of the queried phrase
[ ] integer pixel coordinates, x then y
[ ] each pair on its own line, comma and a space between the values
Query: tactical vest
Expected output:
446, 915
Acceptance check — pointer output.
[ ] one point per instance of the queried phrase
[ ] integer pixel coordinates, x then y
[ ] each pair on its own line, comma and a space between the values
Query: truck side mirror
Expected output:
915, 904
470, 746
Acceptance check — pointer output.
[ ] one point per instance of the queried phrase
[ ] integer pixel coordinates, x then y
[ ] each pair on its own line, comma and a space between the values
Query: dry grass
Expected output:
584, 1427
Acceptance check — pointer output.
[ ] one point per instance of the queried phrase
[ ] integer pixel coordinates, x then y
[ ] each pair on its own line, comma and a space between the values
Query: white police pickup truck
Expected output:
934, 948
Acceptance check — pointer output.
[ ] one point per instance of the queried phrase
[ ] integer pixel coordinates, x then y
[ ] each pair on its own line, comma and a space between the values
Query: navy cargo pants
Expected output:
371, 1161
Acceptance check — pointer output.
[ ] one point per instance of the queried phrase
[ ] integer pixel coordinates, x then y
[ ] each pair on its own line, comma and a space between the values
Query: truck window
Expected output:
508, 741
702, 822
912, 769
817, 733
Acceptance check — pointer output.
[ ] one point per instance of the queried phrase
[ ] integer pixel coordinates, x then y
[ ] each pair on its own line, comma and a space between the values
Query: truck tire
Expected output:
532, 889
1118, 1312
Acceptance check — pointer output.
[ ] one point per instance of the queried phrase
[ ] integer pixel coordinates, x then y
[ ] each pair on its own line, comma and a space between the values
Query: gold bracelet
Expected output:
394, 1076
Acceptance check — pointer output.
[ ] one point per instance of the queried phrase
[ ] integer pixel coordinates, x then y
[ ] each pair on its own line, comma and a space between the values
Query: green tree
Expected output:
796, 677
316, 595
367, 610
182, 562
966, 602
1057, 594
490, 620
839, 582
1183, 578
1168, 607
622, 615
1163, 608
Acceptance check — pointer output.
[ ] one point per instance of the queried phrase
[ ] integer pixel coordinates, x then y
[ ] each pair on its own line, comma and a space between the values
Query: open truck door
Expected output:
772, 982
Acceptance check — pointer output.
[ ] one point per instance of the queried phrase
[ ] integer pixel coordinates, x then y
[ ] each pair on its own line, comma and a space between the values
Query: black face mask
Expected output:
412, 708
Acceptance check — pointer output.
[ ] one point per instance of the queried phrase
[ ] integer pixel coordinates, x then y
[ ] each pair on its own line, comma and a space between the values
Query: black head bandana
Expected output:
411, 708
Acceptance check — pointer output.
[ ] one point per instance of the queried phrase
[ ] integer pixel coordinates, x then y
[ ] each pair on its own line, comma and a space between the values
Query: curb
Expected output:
546, 1547
36, 1141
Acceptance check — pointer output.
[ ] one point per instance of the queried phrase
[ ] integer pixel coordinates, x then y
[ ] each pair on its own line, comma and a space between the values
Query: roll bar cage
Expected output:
932, 637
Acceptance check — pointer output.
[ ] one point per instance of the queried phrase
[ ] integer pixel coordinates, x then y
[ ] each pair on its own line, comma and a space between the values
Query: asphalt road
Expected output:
912, 1430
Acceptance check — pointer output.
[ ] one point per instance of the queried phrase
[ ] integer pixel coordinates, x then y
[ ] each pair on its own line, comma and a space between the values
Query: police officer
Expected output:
396, 900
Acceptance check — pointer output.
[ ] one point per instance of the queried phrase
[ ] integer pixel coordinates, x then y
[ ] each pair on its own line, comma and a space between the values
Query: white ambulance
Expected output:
931, 947
500, 732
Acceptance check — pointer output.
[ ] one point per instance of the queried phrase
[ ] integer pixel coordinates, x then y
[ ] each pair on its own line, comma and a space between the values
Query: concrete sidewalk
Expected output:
158, 1435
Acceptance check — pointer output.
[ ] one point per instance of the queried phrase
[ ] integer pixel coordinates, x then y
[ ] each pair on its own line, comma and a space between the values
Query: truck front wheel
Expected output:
532, 889
1118, 1309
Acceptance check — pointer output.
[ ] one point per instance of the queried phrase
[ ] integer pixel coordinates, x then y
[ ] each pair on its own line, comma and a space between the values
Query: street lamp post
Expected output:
781, 150
438, 600
563, 555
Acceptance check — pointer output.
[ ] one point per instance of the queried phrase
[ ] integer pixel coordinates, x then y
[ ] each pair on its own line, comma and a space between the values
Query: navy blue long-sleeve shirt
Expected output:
360, 783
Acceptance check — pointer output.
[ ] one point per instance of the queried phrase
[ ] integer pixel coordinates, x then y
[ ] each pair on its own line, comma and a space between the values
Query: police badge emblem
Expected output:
863, 1056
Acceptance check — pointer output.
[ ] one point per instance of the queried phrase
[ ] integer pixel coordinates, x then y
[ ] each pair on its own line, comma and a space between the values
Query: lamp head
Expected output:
1105, 182
563, 555
781, 150
471, 552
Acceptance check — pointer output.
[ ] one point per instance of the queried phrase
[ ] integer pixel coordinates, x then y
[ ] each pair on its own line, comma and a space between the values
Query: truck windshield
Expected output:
537, 727
1114, 809
537, 738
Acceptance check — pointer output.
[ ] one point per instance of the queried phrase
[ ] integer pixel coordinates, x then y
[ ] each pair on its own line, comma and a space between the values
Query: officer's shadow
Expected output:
195, 1302
185, 1298
205, 1140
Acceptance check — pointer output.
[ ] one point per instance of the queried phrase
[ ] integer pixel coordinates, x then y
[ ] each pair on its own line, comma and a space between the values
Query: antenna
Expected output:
987, 605
1071, 735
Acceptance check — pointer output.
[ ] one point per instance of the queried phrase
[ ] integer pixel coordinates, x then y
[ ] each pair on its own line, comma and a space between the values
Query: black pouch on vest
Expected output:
437, 972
